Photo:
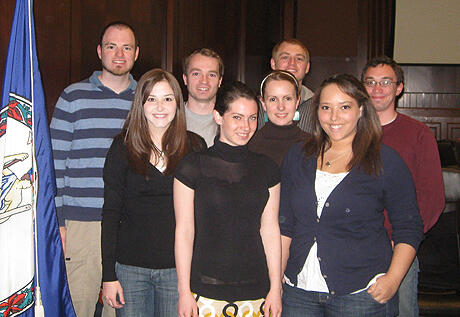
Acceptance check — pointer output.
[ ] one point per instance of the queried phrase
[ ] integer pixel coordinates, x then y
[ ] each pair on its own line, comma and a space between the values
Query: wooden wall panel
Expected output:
330, 31
148, 18
445, 123
212, 23
338, 34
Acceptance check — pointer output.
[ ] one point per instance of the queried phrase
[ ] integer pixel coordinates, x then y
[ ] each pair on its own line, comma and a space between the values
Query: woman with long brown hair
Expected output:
337, 256
139, 276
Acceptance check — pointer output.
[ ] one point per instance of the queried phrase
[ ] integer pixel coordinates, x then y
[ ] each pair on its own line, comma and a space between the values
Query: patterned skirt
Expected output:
208, 307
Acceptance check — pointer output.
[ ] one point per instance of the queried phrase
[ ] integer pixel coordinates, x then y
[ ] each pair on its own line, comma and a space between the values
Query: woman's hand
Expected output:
384, 288
273, 305
187, 307
110, 290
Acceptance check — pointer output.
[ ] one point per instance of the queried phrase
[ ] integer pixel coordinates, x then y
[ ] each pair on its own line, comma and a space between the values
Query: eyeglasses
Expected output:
382, 83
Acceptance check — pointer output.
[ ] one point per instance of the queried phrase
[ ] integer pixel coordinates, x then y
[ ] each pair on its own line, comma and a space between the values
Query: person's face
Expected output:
202, 78
160, 107
239, 123
383, 98
338, 114
291, 57
118, 51
280, 101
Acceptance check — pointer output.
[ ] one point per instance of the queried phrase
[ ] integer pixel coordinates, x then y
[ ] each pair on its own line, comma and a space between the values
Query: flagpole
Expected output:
39, 309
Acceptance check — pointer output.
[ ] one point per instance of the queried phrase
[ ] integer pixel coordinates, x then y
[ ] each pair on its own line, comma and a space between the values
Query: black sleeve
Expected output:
114, 175
187, 172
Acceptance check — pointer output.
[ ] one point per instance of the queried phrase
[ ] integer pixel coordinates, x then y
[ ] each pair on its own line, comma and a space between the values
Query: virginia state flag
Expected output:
31, 260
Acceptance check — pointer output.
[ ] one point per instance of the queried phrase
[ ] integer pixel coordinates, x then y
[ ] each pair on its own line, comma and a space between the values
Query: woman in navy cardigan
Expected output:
337, 257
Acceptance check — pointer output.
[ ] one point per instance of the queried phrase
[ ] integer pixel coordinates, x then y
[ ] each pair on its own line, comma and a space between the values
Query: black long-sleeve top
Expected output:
137, 217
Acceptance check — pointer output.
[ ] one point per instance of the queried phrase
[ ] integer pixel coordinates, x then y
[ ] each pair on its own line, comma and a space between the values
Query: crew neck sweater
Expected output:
230, 186
274, 140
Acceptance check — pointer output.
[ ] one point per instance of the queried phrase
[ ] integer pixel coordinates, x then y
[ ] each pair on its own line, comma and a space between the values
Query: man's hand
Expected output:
63, 232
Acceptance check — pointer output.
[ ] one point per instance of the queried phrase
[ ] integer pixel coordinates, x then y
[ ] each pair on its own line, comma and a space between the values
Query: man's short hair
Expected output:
294, 42
384, 60
118, 24
205, 52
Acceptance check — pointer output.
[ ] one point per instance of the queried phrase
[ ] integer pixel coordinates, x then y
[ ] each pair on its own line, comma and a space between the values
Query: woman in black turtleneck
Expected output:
280, 97
226, 201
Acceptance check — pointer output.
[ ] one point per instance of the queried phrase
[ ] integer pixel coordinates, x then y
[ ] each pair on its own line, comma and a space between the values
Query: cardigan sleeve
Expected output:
400, 200
115, 169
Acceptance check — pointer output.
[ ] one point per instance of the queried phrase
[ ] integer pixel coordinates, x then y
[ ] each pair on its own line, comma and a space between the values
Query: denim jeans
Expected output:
147, 292
408, 302
297, 302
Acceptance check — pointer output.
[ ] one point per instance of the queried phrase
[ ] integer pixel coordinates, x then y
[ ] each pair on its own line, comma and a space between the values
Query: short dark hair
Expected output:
120, 25
229, 92
294, 42
384, 60
205, 52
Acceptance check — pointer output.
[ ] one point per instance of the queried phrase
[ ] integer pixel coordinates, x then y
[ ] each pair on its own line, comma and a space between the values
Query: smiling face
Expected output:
202, 78
118, 51
160, 107
338, 114
291, 57
280, 101
383, 98
238, 123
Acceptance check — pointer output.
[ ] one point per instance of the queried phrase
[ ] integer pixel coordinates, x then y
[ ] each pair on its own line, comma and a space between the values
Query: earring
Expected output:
265, 117
296, 116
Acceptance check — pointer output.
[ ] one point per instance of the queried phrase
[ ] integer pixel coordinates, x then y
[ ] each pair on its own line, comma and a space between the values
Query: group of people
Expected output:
290, 203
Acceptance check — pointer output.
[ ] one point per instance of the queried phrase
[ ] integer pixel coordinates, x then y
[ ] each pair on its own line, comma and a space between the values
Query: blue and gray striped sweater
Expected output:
86, 118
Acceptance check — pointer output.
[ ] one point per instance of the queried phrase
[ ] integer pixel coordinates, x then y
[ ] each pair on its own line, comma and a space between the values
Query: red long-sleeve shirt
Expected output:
417, 146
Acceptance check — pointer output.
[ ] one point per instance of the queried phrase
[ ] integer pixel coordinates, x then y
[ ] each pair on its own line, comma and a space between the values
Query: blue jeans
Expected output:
297, 302
147, 292
408, 303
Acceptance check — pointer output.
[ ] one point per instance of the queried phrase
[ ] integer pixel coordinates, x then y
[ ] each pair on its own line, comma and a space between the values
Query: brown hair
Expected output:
118, 25
280, 75
366, 143
205, 52
384, 60
294, 42
136, 131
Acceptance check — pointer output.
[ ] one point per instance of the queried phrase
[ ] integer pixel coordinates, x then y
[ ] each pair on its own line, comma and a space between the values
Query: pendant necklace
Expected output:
329, 162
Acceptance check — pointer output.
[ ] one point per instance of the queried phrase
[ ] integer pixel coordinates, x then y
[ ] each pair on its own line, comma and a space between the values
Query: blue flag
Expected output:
32, 269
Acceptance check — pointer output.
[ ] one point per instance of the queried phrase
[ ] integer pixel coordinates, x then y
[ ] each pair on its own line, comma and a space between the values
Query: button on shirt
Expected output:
311, 278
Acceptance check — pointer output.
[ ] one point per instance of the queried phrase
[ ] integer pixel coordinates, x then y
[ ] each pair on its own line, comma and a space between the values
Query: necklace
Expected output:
329, 162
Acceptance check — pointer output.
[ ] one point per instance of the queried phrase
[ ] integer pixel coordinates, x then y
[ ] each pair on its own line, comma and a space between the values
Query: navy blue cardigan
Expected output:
353, 245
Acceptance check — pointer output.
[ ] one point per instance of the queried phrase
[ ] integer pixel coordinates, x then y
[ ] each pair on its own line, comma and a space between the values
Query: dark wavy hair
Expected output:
366, 143
136, 131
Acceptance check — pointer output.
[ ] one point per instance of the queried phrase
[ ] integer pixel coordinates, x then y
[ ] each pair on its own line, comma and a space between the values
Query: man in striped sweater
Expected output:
87, 116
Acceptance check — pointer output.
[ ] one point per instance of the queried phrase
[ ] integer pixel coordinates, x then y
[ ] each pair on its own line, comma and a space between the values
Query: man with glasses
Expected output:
415, 143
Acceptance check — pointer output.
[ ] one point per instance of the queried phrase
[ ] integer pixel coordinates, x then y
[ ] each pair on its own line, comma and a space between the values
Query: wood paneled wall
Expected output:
340, 34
